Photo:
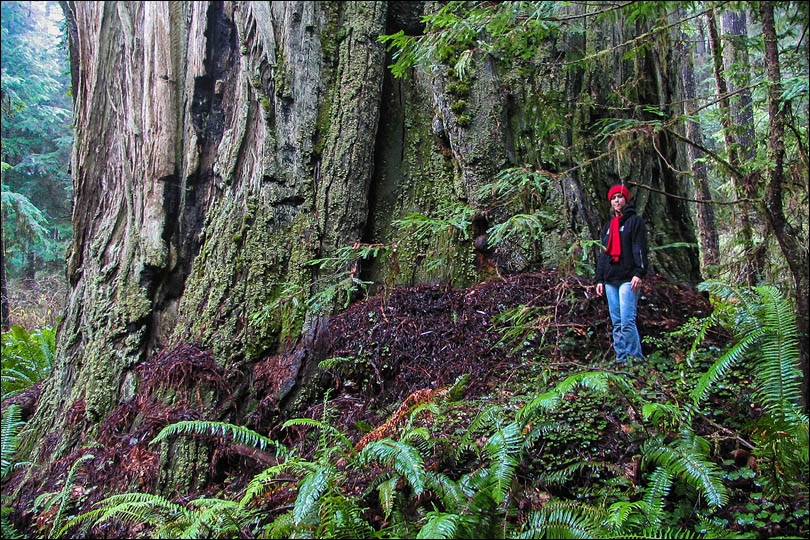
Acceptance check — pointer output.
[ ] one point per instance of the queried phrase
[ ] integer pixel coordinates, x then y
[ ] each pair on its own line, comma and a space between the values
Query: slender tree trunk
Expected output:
707, 229
736, 66
732, 149
741, 109
4, 305
795, 254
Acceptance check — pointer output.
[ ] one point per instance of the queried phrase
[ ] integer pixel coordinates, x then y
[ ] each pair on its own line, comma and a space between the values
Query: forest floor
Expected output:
35, 303
514, 338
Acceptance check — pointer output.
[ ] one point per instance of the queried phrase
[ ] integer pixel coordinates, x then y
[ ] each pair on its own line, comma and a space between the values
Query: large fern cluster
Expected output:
27, 358
766, 339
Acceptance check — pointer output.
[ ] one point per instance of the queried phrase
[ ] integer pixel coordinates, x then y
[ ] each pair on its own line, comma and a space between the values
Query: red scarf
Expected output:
614, 247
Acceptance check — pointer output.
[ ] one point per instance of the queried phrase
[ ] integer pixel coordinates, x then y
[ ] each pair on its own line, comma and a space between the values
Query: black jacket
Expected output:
633, 259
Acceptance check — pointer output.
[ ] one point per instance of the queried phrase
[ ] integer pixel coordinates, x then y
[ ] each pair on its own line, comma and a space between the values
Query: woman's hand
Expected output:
600, 289
635, 283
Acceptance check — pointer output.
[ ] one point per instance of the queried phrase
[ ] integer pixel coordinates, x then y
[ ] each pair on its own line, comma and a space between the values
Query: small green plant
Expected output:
520, 185
511, 32
62, 500
342, 273
27, 358
10, 438
200, 518
449, 219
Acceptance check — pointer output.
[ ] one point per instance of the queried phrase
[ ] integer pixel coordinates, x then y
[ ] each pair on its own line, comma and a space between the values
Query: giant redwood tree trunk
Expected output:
221, 145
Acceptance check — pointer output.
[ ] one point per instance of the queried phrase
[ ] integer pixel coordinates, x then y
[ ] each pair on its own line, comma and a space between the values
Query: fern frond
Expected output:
449, 492
597, 381
624, 513
478, 481
341, 517
721, 367
309, 493
420, 439
560, 477
9, 530
281, 527
325, 429
260, 484
777, 373
144, 508
503, 448
662, 533
663, 414
656, 493
63, 494
439, 525
691, 466
486, 419
414, 414
216, 518
762, 316
401, 457
10, 437
545, 402
387, 492
563, 521
538, 430
238, 434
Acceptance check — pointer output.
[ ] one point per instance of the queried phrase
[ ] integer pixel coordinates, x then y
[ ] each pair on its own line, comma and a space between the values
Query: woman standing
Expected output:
619, 271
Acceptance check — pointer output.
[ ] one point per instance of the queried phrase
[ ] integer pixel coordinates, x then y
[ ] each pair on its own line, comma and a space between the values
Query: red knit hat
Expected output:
618, 189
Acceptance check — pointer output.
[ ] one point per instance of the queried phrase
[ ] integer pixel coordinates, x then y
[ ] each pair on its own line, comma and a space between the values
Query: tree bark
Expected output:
737, 66
794, 253
4, 305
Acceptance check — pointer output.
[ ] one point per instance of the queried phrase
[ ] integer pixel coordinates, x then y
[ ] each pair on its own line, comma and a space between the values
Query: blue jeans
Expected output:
622, 302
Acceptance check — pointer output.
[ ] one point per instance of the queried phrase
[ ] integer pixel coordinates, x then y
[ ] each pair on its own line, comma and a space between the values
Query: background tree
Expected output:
36, 138
794, 252
707, 228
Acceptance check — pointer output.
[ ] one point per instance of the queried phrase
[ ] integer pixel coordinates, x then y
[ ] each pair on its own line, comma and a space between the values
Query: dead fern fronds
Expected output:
403, 412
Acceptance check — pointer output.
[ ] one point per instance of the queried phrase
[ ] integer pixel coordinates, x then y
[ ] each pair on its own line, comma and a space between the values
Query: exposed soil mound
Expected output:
427, 336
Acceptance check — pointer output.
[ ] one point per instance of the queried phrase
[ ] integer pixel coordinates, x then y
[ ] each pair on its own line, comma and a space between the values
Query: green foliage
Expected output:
764, 323
401, 457
516, 185
691, 465
506, 30
521, 228
9, 530
10, 438
341, 272
62, 499
27, 358
27, 223
200, 518
238, 434
36, 140
565, 520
